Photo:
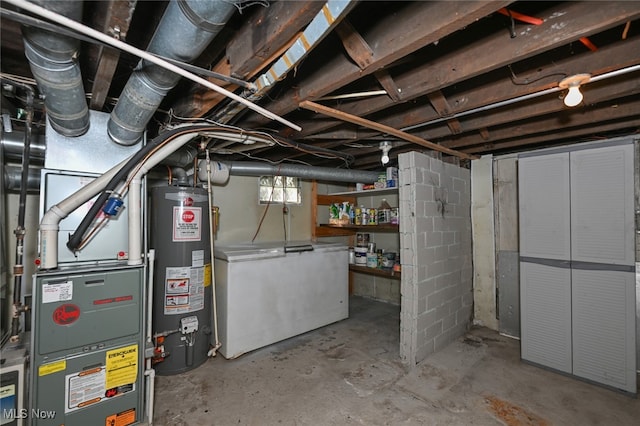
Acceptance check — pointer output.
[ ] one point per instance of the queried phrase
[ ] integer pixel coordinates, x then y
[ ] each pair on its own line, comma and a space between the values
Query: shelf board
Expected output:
380, 191
385, 273
387, 227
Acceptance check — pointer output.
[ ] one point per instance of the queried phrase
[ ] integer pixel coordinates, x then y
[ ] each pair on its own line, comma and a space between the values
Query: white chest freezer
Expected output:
268, 292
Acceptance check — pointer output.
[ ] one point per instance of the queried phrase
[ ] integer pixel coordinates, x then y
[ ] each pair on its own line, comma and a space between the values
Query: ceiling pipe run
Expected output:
248, 168
185, 30
53, 59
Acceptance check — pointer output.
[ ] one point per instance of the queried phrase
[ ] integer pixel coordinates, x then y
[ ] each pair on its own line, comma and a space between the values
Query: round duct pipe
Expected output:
13, 178
12, 144
246, 168
53, 61
185, 30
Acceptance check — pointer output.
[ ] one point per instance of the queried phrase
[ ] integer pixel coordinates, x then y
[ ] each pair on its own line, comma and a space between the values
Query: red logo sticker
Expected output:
66, 314
188, 216
187, 201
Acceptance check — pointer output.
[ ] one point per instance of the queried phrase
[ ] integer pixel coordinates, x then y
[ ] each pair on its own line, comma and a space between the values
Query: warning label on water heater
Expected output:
184, 290
187, 223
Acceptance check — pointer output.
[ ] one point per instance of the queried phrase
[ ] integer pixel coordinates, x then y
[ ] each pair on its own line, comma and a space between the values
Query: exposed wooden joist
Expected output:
443, 109
385, 129
356, 47
564, 24
604, 60
263, 38
553, 123
561, 137
417, 25
117, 19
550, 105
266, 31
387, 83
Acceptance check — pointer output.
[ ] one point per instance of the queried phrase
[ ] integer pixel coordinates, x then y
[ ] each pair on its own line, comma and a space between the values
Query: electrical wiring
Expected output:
264, 214
271, 161
265, 137
526, 81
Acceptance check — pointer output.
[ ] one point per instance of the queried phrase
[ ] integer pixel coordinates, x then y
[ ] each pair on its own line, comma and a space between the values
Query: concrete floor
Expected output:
349, 373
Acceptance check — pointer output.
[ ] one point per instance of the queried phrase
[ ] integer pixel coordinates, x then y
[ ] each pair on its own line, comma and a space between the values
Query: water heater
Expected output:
179, 233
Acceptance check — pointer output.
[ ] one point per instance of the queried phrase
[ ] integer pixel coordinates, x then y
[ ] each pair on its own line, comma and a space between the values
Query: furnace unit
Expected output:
88, 347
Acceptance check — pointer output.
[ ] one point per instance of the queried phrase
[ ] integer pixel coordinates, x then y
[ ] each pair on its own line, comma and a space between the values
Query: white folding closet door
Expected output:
545, 279
603, 278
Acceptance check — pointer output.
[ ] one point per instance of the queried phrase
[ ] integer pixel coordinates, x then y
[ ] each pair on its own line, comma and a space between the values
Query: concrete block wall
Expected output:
436, 253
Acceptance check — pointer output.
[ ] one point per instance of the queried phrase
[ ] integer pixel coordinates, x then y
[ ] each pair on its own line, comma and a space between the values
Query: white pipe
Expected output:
214, 306
135, 187
76, 26
151, 256
49, 225
526, 97
149, 372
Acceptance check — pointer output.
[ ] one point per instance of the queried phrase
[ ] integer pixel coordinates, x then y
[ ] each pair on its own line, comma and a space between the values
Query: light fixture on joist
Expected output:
573, 83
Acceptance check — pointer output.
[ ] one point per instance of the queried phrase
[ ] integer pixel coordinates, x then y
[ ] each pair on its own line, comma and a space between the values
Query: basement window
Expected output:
280, 189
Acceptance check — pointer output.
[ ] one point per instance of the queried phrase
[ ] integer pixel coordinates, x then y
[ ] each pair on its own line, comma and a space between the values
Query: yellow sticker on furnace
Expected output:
121, 366
52, 367
207, 275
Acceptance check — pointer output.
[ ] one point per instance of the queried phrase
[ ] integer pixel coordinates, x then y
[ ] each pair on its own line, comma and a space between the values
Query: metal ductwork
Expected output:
185, 30
54, 63
247, 168
12, 143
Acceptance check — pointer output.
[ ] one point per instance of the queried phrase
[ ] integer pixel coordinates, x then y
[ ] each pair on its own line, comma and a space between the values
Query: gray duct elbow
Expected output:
185, 30
53, 61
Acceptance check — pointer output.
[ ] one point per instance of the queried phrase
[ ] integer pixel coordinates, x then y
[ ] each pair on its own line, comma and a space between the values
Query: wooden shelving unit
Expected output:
385, 273
327, 230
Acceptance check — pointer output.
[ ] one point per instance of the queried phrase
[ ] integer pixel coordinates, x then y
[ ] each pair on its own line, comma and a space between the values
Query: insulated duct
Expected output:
247, 168
54, 63
185, 30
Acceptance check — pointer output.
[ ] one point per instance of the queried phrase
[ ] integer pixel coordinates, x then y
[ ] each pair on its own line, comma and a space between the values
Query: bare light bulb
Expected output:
385, 147
574, 96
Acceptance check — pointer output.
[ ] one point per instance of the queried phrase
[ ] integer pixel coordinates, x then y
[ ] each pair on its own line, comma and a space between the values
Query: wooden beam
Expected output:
382, 128
608, 58
442, 107
549, 106
564, 24
107, 65
550, 126
356, 47
266, 31
392, 38
387, 83
592, 132
116, 18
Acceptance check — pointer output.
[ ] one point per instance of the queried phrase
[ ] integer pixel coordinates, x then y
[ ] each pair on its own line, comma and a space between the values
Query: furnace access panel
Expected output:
88, 348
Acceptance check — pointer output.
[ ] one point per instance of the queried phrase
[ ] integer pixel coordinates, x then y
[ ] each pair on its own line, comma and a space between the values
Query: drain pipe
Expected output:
185, 30
53, 59
247, 168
